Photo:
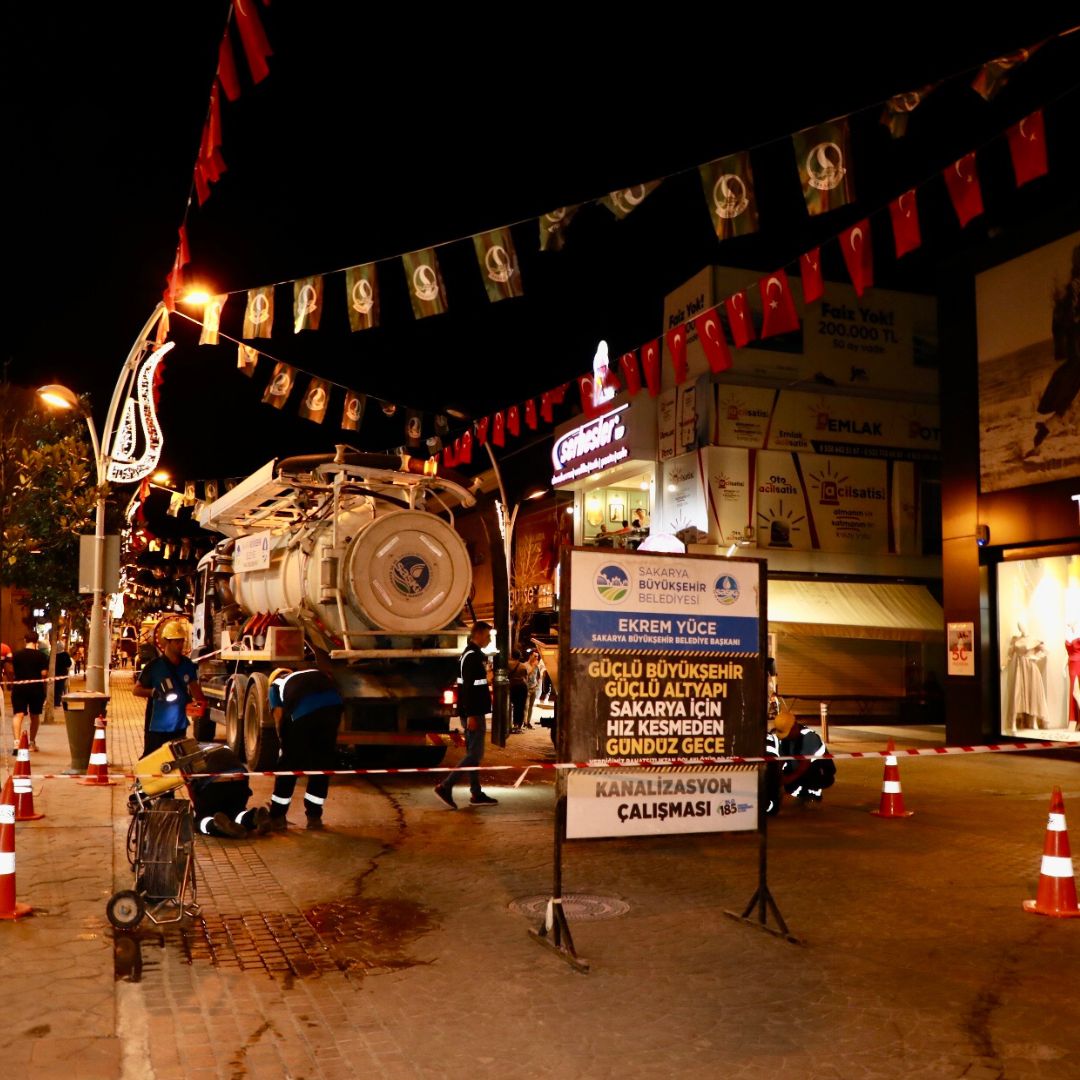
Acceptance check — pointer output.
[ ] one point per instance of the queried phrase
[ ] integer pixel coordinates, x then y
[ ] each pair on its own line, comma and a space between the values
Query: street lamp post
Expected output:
97, 660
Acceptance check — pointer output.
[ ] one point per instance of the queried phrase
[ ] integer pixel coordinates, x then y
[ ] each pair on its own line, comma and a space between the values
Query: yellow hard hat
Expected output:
173, 630
278, 672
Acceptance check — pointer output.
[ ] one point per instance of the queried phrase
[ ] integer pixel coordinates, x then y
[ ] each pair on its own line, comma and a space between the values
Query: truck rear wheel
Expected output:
234, 714
260, 737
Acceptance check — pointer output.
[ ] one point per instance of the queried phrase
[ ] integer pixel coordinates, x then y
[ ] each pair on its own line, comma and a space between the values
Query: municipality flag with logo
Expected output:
426, 289
498, 264
729, 189
823, 154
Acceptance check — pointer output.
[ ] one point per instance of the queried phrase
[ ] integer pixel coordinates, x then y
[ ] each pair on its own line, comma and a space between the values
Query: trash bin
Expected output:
81, 709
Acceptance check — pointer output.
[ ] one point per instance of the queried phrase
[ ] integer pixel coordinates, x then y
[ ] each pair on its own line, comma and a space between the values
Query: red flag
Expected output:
586, 386
631, 374
711, 335
676, 343
513, 420
183, 252
448, 459
498, 429
905, 223
464, 452
530, 414
962, 180
482, 430
552, 397
650, 363
202, 188
738, 316
253, 38
226, 69
1027, 145
855, 244
813, 286
778, 305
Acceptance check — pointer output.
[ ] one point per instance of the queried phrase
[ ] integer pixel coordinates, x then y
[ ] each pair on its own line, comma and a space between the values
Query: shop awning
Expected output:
853, 609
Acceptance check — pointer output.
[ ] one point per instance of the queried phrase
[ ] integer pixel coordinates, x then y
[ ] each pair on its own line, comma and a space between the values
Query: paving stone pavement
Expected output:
386, 946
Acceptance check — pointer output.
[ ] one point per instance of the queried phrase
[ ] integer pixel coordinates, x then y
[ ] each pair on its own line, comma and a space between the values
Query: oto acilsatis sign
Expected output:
662, 656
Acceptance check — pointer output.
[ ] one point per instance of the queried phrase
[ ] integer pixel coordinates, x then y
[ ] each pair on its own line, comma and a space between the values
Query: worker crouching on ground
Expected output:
306, 707
172, 683
805, 780
220, 802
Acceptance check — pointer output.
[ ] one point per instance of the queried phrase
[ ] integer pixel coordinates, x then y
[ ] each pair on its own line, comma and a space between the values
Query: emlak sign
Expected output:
597, 444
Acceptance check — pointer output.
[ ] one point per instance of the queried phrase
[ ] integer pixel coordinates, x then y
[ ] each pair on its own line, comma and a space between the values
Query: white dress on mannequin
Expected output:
1029, 687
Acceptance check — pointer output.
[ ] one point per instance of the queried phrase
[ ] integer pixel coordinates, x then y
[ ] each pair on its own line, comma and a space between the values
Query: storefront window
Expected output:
1039, 646
618, 516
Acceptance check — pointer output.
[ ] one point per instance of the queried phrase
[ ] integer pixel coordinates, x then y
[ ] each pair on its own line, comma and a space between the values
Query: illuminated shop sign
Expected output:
597, 444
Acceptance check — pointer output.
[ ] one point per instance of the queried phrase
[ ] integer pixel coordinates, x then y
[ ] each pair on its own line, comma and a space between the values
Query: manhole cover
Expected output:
579, 907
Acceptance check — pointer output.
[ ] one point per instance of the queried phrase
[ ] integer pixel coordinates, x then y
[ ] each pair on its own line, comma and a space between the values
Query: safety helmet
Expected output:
278, 672
173, 630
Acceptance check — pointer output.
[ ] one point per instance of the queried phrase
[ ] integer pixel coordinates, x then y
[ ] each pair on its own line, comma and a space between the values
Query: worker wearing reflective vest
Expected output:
806, 779
474, 703
306, 707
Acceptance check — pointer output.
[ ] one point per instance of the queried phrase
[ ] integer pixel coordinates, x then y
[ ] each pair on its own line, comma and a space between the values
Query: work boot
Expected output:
263, 821
227, 827
315, 823
278, 822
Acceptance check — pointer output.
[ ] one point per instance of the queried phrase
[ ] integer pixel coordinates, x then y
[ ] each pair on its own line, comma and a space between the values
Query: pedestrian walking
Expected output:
28, 668
519, 691
532, 683
474, 703
307, 709
172, 684
63, 669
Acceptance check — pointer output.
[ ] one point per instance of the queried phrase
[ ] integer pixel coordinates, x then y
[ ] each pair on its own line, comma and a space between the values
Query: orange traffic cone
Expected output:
24, 788
892, 798
1057, 888
97, 775
9, 909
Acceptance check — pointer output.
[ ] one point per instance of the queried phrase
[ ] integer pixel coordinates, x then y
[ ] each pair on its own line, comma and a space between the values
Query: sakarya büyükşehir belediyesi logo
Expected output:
410, 575
726, 589
612, 583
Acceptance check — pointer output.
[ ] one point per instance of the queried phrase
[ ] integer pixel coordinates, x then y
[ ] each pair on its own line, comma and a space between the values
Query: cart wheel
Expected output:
125, 909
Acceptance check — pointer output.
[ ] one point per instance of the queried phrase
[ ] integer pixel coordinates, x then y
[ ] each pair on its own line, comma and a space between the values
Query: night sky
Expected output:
374, 136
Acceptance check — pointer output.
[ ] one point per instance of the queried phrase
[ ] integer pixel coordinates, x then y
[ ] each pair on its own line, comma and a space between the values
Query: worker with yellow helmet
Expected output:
172, 683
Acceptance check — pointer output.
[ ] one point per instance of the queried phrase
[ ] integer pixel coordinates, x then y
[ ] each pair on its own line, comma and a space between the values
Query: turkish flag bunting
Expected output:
482, 429
530, 414
778, 305
183, 252
448, 459
855, 244
738, 314
226, 69
498, 429
650, 363
711, 335
676, 343
962, 180
552, 397
1027, 144
631, 374
813, 285
586, 386
253, 38
513, 420
905, 223
464, 452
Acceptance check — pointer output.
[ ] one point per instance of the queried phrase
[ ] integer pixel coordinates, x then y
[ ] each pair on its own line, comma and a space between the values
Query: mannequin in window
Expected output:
1072, 668
1029, 688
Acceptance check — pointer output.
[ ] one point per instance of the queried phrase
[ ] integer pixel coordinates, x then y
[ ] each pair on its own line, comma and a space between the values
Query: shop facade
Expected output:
1011, 497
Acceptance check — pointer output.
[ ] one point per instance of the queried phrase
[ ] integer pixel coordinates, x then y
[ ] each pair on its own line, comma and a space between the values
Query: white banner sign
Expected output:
251, 553
646, 802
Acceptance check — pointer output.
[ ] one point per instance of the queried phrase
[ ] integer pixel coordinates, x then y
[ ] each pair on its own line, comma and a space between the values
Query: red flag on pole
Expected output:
530, 414
253, 38
711, 335
962, 180
904, 212
855, 244
738, 314
498, 429
778, 305
631, 374
676, 343
1027, 145
813, 285
513, 420
482, 430
650, 363
226, 69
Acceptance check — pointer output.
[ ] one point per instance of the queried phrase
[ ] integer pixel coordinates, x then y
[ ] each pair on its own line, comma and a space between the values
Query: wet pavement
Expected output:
396, 944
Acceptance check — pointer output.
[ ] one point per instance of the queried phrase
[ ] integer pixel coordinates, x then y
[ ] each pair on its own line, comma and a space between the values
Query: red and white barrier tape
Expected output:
609, 763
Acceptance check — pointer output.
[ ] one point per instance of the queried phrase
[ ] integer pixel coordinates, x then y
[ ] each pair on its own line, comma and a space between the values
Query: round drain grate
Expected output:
579, 907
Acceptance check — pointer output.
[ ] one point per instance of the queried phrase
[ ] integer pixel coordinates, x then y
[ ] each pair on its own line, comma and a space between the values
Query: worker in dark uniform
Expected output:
805, 780
306, 707
474, 703
171, 683
221, 802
